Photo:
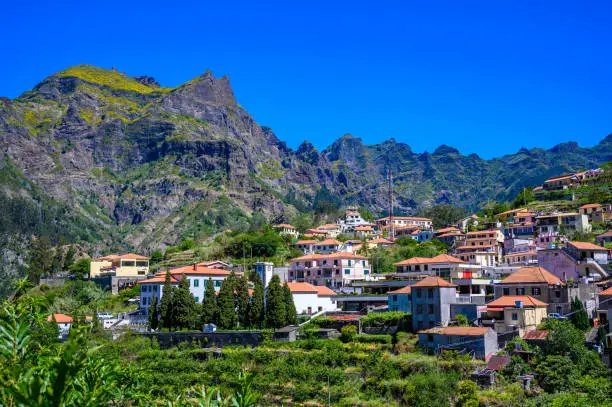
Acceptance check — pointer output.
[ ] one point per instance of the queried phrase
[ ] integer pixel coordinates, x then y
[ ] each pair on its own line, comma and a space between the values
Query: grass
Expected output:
110, 78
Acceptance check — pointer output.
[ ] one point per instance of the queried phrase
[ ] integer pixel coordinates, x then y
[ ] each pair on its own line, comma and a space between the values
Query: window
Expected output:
320, 308
218, 283
366, 271
419, 308
196, 283
154, 288
430, 338
536, 291
430, 293
430, 309
520, 291
318, 272
394, 297
426, 267
197, 299
363, 263
514, 316
418, 293
347, 271
506, 291
558, 294
420, 324
291, 274
350, 262
335, 262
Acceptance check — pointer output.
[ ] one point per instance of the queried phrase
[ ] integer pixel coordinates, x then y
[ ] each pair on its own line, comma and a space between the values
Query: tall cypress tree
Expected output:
165, 307
256, 305
41, 258
290, 311
184, 305
276, 315
579, 318
227, 305
210, 311
242, 300
153, 314
69, 258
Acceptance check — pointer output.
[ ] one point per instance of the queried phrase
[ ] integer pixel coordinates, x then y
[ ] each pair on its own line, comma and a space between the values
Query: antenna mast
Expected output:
392, 225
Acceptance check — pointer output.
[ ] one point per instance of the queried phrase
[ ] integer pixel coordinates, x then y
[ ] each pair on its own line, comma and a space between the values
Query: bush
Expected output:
403, 320
368, 338
348, 332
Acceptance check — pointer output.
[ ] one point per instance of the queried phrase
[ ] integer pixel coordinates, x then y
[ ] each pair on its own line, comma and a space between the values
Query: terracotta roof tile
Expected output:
535, 335
607, 292
403, 290
527, 275
60, 318
441, 258
457, 331
509, 301
433, 282
302, 288
324, 291
587, 246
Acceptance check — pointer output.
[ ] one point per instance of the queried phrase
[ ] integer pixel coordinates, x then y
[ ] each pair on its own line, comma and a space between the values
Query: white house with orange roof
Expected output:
510, 313
329, 230
310, 299
306, 245
384, 223
123, 265
364, 231
198, 276
441, 265
287, 230
327, 246
351, 220
331, 270
64, 322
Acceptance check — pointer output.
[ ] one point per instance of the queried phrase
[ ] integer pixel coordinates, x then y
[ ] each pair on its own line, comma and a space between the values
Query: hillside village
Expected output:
477, 287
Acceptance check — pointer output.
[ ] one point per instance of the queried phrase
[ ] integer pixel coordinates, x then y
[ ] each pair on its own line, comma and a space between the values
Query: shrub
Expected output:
368, 338
348, 332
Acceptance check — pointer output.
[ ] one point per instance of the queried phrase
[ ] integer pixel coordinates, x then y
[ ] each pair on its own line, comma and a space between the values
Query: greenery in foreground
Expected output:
93, 369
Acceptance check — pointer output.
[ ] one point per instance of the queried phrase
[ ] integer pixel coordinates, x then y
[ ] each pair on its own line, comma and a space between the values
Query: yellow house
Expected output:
515, 312
124, 265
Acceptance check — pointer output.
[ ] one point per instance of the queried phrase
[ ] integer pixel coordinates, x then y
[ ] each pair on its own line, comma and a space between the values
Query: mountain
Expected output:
119, 161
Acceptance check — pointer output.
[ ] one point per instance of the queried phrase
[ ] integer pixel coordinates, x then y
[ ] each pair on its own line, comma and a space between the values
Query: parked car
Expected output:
556, 316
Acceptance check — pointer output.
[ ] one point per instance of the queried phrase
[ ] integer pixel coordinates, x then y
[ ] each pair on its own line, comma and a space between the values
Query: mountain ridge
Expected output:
156, 164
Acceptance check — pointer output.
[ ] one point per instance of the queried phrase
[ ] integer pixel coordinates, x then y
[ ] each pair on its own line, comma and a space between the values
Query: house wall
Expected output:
399, 302
527, 318
558, 263
303, 301
481, 346
441, 299
555, 296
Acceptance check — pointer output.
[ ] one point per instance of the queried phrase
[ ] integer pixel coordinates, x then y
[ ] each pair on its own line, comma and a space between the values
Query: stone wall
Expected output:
206, 340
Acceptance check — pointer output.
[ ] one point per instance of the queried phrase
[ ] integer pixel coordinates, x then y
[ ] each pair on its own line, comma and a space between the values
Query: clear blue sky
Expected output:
485, 77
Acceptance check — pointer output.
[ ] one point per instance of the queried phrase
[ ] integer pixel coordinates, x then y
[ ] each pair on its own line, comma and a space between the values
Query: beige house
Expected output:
124, 265
286, 230
515, 312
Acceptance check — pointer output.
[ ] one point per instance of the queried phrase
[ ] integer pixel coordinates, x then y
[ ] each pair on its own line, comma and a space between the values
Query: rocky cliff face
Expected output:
149, 165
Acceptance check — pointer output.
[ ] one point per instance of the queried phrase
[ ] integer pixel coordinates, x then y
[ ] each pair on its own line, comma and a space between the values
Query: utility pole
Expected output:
392, 226
525, 197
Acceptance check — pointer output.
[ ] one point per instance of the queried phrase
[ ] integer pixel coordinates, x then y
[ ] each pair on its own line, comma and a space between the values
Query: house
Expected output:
483, 247
380, 242
509, 215
472, 288
529, 258
451, 238
329, 229
575, 261
589, 210
604, 238
510, 313
605, 308
431, 299
197, 275
364, 231
327, 246
64, 322
561, 182
306, 245
315, 233
450, 229
331, 270
310, 299
524, 217
351, 220
479, 341
519, 230
465, 223
124, 265
286, 229
538, 283
441, 265
563, 223
399, 300
536, 337
215, 264
384, 223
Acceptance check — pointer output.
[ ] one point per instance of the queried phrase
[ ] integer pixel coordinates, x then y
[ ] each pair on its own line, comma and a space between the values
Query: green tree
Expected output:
579, 318
381, 261
227, 305
276, 314
184, 306
153, 314
81, 268
290, 311
367, 215
524, 196
57, 264
242, 300
41, 259
462, 320
166, 304
156, 257
256, 305
69, 259
210, 311
467, 392
444, 215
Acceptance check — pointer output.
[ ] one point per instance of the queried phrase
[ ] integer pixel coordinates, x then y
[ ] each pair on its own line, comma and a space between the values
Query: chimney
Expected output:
195, 266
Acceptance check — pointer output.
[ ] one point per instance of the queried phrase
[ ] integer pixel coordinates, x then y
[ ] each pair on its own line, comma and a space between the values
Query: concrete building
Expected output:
511, 313
64, 322
310, 299
400, 299
306, 245
604, 238
331, 270
124, 265
538, 283
197, 275
529, 258
575, 261
327, 246
596, 212
350, 221
384, 223
441, 265
479, 341
563, 223
431, 299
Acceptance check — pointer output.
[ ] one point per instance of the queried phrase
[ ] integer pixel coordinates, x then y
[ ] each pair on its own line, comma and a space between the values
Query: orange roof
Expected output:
511, 211
60, 318
537, 189
522, 254
323, 291
606, 234
329, 242
405, 218
364, 228
433, 281
309, 257
302, 288
132, 256
441, 258
457, 331
403, 290
328, 226
380, 240
509, 301
526, 275
588, 246
559, 177
607, 292
200, 270
306, 242
343, 255
536, 335
449, 234
588, 206
479, 232
446, 230
159, 278
473, 247
284, 225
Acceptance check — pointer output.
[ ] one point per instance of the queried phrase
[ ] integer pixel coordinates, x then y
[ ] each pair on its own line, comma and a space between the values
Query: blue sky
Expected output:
484, 77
